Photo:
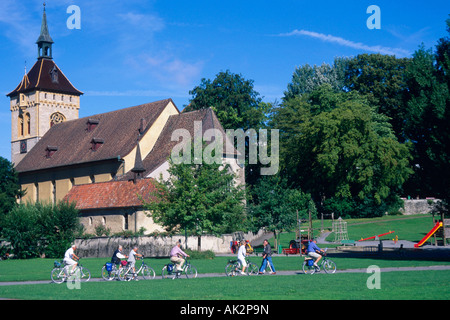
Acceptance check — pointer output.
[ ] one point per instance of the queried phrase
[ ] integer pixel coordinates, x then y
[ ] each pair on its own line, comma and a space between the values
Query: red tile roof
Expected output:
39, 78
111, 194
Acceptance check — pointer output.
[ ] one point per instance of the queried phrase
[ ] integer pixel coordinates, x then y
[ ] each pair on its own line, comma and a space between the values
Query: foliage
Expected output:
307, 78
233, 99
9, 187
36, 229
275, 206
198, 198
334, 145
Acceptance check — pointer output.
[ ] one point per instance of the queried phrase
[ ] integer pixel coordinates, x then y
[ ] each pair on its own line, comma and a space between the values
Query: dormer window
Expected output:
92, 124
54, 74
96, 144
50, 151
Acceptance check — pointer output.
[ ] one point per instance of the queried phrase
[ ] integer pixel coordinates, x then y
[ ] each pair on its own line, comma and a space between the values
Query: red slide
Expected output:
429, 234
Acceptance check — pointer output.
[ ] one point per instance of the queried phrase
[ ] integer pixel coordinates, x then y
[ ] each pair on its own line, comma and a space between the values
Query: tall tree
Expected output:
335, 146
307, 78
199, 198
9, 187
382, 79
233, 99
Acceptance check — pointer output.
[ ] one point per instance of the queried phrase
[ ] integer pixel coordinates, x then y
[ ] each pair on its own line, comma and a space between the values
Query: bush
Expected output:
37, 229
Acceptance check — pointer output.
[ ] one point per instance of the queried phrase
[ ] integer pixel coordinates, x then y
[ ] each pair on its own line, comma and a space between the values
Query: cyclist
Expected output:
117, 256
132, 260
176, 256
69, 257
314, 252
242, 253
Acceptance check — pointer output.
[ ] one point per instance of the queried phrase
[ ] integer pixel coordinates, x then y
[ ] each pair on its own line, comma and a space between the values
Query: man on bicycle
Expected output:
118, 256
314, 252
69, 258
132, 260
176, 256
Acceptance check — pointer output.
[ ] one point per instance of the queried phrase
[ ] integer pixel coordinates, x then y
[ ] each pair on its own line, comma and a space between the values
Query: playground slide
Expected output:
429, 234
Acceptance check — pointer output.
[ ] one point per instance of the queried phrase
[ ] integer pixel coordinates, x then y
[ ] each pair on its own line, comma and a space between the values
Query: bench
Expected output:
348, 242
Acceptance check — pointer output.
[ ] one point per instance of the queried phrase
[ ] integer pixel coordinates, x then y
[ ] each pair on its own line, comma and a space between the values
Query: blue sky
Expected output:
132, 52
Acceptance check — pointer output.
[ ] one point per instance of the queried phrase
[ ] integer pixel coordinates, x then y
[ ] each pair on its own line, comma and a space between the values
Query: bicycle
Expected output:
110, 271
234, 268
326, 264
61, 273
168, 271
126, 273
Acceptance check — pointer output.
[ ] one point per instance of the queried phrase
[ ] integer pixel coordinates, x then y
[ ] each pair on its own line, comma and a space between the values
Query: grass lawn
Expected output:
411, 285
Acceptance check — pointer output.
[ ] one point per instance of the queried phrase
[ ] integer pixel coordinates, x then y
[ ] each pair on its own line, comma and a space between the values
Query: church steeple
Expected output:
44, 41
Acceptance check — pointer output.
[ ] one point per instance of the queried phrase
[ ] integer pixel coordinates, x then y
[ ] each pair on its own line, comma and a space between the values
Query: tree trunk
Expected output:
199, 243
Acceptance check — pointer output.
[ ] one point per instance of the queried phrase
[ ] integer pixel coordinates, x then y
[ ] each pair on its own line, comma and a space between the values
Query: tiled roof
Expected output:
185, 120
116, 132
111, 194
40, 78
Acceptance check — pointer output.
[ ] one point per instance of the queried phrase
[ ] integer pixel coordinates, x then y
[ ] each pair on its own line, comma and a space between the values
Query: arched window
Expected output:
27, 124
21, 126
56, 118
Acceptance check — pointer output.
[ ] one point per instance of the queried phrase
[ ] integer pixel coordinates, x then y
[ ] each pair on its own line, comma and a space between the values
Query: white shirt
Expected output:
69, 254
242, 253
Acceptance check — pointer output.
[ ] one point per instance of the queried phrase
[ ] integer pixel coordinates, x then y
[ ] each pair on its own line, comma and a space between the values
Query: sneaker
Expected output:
273, 273
242, 272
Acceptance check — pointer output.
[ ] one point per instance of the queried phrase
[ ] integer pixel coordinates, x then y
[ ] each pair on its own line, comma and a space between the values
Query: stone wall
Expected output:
418, 206
150, 246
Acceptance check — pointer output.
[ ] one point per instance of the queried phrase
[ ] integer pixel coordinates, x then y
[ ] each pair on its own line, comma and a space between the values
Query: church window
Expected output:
27, 124
21, 124
56, 118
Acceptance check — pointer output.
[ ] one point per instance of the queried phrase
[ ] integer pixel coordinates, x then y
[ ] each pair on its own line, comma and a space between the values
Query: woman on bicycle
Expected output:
242, 253
314, 252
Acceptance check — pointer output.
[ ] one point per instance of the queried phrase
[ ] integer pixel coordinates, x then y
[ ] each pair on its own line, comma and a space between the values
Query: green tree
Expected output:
427, 123
199, 198
382, 79
233, 99
275, 206
307, 78
335, 146
9, 187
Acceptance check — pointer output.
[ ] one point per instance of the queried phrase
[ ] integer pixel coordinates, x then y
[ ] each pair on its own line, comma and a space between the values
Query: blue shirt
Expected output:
312, 247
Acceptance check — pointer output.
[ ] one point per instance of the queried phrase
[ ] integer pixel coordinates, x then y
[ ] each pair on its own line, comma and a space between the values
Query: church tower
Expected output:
44, 97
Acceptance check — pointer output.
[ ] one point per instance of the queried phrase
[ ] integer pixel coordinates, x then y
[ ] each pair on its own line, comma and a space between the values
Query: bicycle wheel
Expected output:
57, 275
191, 271
165, 273
125, 274
230, 269
85, 274
329, 266
107, 275
308, 269
252, 269
148, 273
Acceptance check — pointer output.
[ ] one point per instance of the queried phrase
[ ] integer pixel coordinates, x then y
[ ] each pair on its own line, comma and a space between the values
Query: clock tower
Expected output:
43, 98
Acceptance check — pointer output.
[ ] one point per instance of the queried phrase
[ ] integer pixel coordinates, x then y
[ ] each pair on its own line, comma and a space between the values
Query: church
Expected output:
103, 161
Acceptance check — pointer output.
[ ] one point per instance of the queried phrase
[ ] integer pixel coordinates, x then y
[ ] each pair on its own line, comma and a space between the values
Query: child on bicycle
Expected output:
132, 260
314, 252
242, 253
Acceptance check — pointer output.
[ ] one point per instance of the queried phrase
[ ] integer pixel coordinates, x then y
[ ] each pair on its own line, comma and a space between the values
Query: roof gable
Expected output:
117, 131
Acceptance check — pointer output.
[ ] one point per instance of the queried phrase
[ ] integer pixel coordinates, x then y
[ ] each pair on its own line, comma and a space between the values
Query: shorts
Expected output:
243, 262
69, 262
132, 263
314, 255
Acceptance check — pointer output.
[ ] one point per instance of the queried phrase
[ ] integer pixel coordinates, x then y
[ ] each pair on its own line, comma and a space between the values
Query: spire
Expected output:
44, 41
138, 165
